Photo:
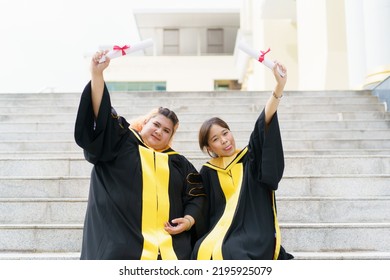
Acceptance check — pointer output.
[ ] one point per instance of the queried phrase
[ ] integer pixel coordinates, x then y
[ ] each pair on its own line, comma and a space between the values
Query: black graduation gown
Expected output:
134, 190
241, 214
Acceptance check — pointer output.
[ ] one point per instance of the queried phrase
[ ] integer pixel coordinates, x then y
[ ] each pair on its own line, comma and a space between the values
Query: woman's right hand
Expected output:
96, 67
280, 81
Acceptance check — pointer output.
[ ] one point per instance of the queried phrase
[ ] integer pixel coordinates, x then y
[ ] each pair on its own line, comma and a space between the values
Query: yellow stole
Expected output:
155, 204
230, 174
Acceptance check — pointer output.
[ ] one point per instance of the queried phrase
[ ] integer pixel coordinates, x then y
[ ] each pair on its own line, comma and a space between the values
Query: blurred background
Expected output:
326, 44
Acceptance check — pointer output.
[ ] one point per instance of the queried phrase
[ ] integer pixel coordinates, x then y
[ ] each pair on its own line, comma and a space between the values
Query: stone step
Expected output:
68, 154
39, 256
233, 115
44, 187
186, 145
192, 94
336, 237
218, 99
334, 209
301, 144
193, 134
142, 106
317, 165
336, 152
344, 185
11, 104
195, 96
195, 125
167, 99
290, 209
350, 255
360, 255
33, 238
294, 165
42, 210
305, 152
310, 237
225, 114
30, 146
193, 153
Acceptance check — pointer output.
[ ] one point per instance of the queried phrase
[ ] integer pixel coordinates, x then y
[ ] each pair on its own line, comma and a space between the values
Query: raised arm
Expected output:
97, 80
273, 102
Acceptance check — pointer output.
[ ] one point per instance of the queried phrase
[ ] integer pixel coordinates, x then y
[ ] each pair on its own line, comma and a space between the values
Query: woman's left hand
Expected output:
280, 81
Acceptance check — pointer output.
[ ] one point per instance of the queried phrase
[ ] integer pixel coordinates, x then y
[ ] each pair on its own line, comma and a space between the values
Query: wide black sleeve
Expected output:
266, 152
101, 137
206, 210
194, 197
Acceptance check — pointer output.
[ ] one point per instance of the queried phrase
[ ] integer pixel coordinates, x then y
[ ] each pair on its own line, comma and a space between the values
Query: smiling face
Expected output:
221, 141
157, 132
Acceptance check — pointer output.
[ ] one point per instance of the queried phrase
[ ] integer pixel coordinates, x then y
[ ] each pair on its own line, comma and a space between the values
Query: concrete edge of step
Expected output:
78, 226
280, 198
372, 255
40, 256
365, 255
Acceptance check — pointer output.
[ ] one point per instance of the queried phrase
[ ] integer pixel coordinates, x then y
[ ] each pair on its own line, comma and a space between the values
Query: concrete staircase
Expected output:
333, 202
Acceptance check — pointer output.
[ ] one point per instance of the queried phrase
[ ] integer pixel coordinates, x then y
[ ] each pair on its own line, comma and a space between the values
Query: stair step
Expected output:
195, 153
44, 187
333, 209
192, 94
317, 165
39, 146
287, 134
344, 255
185, 145
298, 143
41, 238
40, 256
344, 185
233, 114
363, 255
336, 237
333, 237
42, 210
32, 104
294, 165
297, 256
145, 98
183, 106
290, 209
68, 126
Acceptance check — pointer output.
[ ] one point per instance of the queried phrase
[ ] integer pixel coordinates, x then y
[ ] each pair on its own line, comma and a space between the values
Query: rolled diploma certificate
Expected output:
114, 53
256, 55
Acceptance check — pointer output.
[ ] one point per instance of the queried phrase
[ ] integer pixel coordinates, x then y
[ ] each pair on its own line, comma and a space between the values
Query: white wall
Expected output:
182, 73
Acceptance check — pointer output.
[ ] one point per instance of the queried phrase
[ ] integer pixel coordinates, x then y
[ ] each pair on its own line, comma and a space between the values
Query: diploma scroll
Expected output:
118, 51
259, 56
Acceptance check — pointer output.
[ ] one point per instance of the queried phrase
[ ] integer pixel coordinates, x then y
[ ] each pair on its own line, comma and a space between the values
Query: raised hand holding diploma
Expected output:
259, 56
118, 51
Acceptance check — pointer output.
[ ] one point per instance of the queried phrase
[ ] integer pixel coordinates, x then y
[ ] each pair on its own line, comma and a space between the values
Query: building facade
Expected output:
325, 44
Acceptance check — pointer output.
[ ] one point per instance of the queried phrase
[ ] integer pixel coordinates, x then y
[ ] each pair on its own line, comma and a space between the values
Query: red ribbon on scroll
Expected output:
261, 58
118, 48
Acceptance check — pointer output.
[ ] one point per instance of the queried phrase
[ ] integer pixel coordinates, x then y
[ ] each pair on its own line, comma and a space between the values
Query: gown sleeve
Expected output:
100, 138
208, 208
194, 197
266, 152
